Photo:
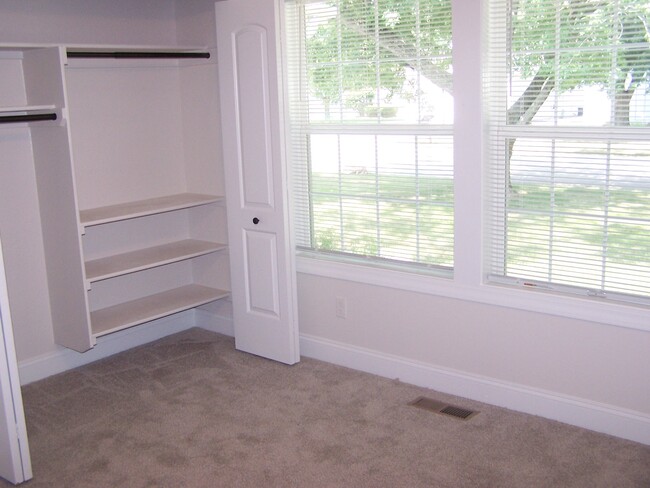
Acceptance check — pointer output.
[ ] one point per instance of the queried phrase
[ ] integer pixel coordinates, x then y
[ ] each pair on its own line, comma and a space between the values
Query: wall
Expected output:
462, 347
196, 22
79, 21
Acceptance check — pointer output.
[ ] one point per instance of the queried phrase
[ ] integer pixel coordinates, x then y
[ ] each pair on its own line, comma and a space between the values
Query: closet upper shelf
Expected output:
141, 208
11, 46
26, 109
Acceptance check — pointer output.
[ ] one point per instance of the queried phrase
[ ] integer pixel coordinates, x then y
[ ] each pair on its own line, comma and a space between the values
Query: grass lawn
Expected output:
604, 234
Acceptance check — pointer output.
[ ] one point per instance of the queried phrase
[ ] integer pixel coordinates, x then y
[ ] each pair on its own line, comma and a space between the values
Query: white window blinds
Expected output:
371, 136
567, 83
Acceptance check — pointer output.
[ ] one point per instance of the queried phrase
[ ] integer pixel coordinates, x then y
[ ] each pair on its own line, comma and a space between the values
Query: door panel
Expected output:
261, 251
262, 271
256, 164
15, 465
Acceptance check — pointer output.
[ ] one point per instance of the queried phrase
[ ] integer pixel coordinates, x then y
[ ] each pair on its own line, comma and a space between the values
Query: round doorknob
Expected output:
256, 221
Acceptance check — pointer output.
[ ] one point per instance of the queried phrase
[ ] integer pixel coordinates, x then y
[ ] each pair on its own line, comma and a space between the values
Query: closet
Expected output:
108, 175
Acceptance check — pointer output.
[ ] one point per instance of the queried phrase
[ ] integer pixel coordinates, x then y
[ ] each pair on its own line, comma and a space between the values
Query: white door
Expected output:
261, 252
15, 465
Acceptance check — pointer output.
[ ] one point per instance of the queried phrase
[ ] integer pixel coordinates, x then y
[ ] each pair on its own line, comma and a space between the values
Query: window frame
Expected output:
498, 133
302, 210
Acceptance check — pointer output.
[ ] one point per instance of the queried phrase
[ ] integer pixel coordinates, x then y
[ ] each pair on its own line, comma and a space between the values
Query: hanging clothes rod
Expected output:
137, 54
12, 119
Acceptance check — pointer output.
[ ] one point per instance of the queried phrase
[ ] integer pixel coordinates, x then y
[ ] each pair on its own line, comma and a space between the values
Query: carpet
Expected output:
191, 411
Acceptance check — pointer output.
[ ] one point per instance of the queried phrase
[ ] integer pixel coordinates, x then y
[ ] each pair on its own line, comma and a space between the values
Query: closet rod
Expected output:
11, 119
136, 54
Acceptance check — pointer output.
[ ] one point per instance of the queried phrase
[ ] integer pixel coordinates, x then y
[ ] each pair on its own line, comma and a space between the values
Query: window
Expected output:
371, 129
567, 83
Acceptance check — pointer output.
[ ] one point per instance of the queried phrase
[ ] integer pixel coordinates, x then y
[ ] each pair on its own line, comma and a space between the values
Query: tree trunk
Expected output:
326, 108
622, 100
524, 109
400, 50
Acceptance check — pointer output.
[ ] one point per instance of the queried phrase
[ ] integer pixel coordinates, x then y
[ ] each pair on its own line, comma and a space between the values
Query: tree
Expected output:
390, 36
343, 71
573, 53
378, 38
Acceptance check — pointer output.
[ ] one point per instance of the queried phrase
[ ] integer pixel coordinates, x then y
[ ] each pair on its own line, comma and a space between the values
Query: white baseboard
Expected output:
594, 416
63, 359
221, 324
599, 417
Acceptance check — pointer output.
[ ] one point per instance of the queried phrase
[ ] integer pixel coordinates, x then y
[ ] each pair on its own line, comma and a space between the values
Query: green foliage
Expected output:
388, 35
577, 218
583, 28
362, 53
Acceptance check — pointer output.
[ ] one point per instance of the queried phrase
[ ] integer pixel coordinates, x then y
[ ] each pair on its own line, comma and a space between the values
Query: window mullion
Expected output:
556, 57
468, 201
613, 70
418, 202
340, 189
339, 46
418, 81
552, 205
377, 204
606, 204
377, 61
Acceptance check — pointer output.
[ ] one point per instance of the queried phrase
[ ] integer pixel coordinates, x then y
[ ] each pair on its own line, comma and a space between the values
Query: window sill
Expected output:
541, 301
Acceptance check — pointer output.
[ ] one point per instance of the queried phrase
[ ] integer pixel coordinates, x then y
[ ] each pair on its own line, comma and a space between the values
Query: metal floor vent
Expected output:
443, 408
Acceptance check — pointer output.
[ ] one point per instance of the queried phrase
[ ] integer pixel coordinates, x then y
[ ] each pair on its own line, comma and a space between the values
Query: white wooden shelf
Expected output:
21, 46
133, 47
141, 259
135, 312
140, 208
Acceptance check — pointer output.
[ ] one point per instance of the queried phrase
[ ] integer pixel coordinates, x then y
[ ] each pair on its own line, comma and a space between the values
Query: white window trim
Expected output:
470, 270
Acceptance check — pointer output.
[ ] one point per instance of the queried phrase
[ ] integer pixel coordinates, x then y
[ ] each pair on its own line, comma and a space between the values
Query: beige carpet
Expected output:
190, 411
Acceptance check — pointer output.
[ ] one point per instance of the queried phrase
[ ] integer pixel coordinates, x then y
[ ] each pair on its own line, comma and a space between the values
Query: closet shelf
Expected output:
140, 208
141, 259
135, 312
129, 48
